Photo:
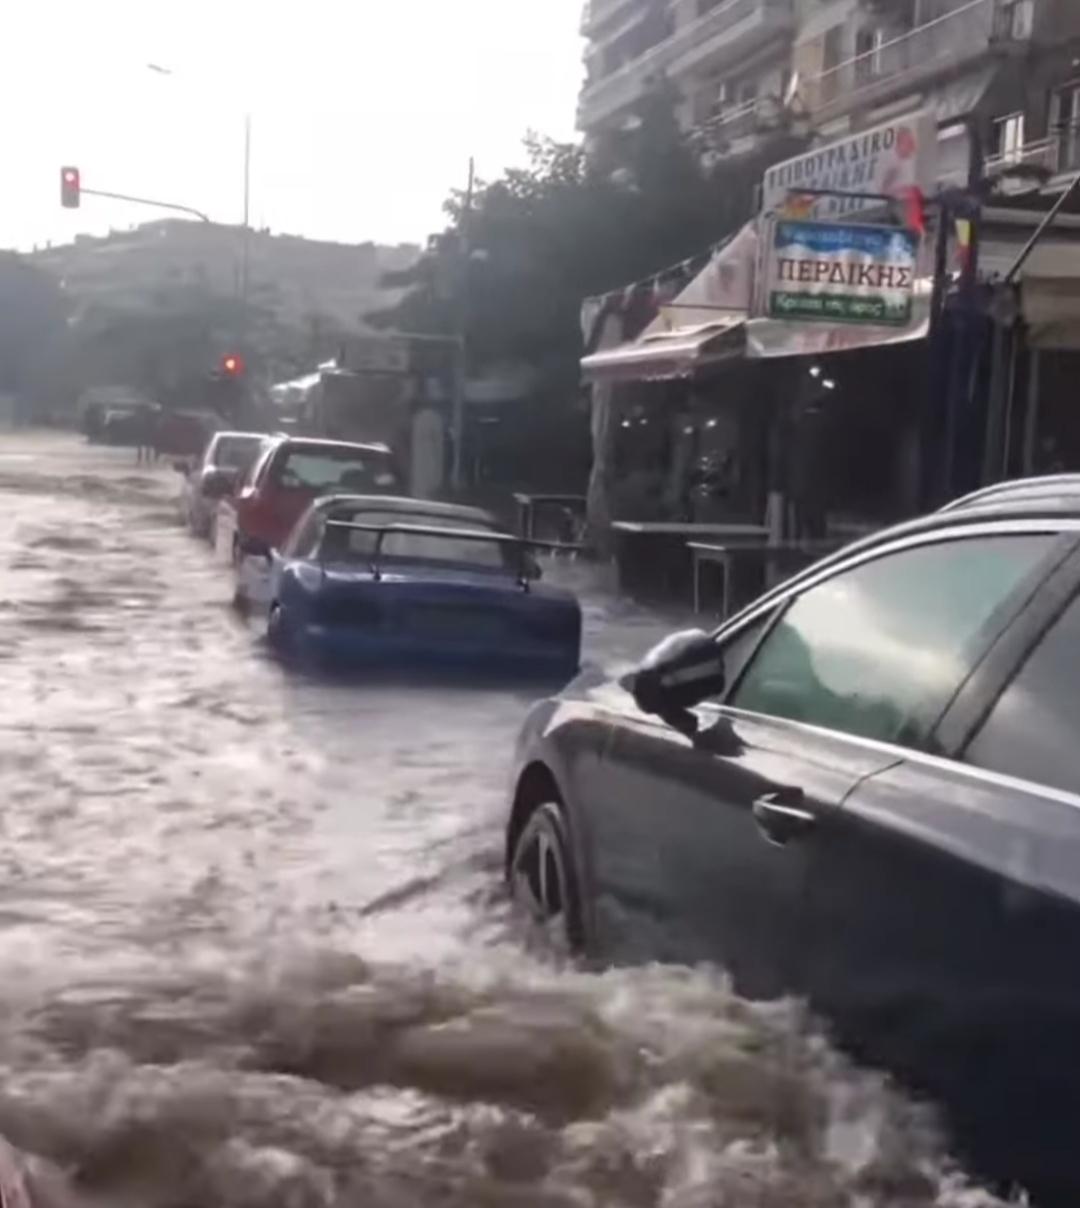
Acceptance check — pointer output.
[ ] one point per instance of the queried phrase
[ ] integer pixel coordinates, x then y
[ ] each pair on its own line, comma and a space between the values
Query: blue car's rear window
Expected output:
350, 545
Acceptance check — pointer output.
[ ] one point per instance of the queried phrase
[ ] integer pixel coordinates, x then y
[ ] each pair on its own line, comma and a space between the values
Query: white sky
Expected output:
364, 112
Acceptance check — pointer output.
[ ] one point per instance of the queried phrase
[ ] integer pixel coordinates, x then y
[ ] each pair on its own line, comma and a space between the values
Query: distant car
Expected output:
288, 476
404, 582
93, 404
216, 474
863, 790
129, 424
182, 434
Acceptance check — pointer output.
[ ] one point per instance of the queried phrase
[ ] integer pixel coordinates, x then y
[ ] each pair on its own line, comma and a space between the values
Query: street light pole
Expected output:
245, 249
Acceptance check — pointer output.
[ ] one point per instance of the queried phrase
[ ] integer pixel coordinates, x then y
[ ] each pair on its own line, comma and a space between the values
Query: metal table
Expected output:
684, 534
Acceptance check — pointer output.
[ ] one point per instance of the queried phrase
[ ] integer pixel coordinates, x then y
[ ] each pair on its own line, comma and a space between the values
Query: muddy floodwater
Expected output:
254, 945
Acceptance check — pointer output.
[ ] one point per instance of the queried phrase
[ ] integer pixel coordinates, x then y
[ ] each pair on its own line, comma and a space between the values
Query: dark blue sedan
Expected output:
408, 583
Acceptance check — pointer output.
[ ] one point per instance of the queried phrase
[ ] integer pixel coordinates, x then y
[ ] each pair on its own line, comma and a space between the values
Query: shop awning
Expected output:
680, 353
1049, 286
954, 101
702, 326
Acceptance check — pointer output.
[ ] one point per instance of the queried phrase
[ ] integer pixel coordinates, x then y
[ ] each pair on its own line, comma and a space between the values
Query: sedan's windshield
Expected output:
326, 470
356, 545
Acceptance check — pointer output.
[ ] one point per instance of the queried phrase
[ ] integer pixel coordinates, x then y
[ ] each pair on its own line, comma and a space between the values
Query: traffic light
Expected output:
232, 365
70, 188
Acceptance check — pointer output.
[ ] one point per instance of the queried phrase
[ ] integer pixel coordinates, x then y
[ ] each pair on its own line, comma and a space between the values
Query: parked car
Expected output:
288, 476
865, 790
225, 460
397, 582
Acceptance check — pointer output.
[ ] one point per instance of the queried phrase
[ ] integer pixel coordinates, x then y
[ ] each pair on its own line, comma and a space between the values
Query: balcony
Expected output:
1058, 155
947, 43
599, 12
726, 32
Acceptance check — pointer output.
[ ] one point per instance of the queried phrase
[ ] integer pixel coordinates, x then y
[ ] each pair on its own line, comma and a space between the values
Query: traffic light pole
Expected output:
146, 201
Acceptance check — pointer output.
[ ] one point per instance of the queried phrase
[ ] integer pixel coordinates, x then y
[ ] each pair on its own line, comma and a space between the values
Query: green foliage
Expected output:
566, 226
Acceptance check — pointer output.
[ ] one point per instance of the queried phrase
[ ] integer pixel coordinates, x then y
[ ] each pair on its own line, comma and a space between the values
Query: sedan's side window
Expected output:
305, 539
1031, 731
880, 650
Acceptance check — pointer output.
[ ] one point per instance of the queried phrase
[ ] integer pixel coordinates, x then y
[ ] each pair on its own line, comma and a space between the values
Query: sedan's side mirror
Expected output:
681, 672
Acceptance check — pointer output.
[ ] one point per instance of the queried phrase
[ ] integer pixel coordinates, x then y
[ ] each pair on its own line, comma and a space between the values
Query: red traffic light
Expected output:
70, 188
232, 364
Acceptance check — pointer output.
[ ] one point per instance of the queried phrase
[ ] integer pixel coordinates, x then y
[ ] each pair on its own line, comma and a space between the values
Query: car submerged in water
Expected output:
399, 583
286, 478
863, 790
214, 476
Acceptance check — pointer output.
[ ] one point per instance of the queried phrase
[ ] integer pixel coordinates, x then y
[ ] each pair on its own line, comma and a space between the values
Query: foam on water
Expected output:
254, 948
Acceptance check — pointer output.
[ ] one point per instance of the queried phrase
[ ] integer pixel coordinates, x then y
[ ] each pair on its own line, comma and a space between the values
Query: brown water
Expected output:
254, 946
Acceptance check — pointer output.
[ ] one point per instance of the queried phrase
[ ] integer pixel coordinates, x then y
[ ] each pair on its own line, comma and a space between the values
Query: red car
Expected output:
290, 474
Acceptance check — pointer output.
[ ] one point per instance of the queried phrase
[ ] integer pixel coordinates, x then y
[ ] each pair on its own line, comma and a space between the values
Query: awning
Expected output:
1049, 286
665, 355
702, 326
954, 101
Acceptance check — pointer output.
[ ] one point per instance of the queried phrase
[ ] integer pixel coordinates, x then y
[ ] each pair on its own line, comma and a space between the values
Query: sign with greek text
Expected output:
841, 273
886, 160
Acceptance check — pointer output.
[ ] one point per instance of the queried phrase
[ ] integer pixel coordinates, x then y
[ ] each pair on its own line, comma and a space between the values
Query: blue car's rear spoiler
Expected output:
522, 544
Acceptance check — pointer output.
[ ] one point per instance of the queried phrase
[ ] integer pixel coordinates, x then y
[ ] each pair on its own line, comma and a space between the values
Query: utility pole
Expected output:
461, 358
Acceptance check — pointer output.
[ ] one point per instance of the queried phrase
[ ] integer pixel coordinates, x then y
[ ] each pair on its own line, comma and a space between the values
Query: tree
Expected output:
567, 226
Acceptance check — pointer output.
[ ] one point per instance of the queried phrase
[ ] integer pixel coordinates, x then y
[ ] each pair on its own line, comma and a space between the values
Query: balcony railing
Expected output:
705, 34
598, 11
963, 34
708, 30
1055, 155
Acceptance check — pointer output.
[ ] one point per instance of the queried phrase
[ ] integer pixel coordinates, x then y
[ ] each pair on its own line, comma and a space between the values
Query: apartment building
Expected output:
1002, 77
294, 278
729, 62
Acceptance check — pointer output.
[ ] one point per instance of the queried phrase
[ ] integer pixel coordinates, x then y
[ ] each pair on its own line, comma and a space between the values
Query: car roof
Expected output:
239, 435
405, 504
1051, 486
317, 442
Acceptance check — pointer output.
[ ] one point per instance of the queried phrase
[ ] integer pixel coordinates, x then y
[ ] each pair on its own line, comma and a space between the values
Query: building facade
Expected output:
1002, 77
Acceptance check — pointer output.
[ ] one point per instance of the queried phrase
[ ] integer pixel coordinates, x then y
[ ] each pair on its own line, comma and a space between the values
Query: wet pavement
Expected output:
254, 945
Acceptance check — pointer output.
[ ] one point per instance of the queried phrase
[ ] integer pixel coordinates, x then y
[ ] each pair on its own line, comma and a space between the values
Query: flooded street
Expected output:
254, 946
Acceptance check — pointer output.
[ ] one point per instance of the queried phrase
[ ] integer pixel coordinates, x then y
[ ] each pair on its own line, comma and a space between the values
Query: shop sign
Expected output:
887, 160
840, 273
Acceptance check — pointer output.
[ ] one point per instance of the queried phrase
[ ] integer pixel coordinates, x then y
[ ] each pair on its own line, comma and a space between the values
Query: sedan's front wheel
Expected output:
543, 881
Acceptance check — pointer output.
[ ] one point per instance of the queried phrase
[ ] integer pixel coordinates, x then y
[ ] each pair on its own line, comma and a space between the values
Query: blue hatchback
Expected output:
408, 583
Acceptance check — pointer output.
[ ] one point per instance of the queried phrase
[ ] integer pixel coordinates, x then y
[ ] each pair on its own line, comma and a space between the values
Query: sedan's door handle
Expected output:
781, 817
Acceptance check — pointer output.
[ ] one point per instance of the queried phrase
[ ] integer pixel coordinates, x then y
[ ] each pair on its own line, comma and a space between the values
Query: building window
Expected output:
1008, 141
1065, 124
869, 57
831, 46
